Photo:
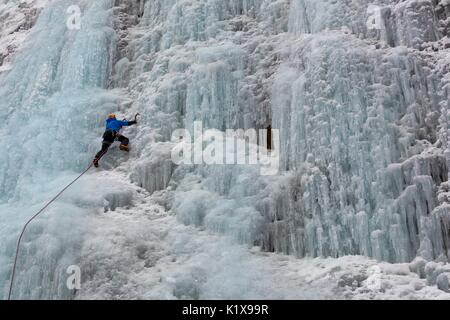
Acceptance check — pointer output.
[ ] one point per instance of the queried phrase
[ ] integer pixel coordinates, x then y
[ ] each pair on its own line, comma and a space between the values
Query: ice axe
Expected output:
135, 117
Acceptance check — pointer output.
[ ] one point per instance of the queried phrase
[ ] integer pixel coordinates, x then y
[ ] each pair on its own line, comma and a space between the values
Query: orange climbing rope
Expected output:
31, 219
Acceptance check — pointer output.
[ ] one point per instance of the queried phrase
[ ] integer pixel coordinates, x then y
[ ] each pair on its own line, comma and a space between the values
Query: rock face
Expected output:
358, 91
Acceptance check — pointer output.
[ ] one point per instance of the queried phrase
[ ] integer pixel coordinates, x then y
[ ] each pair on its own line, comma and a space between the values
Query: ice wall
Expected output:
361, 112
410, 23
365, 119
178, 76
52, 107
37, 92
356, 116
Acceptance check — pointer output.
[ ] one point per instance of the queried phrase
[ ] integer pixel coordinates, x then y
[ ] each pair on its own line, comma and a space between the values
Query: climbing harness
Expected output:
31, 219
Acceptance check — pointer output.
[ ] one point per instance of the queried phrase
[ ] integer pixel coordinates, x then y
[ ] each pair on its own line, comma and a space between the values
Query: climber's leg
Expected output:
108, 139
124, 142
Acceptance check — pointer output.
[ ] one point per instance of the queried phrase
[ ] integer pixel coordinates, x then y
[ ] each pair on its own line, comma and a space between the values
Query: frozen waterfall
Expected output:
357, 89
53, 101
359, 113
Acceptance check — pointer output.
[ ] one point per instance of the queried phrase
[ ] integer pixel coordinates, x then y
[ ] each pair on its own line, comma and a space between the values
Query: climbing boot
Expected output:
95, 162
124, 148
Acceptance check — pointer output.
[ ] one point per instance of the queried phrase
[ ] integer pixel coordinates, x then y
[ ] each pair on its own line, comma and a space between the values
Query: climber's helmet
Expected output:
112, 116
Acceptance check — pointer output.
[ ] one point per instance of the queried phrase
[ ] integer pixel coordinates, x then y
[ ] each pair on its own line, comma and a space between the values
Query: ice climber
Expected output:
112, 134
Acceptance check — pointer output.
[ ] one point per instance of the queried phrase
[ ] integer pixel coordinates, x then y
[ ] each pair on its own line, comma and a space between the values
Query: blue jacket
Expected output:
116, 125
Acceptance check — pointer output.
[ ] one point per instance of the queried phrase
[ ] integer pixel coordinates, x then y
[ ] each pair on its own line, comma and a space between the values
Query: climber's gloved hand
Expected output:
130, 123
135, 118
